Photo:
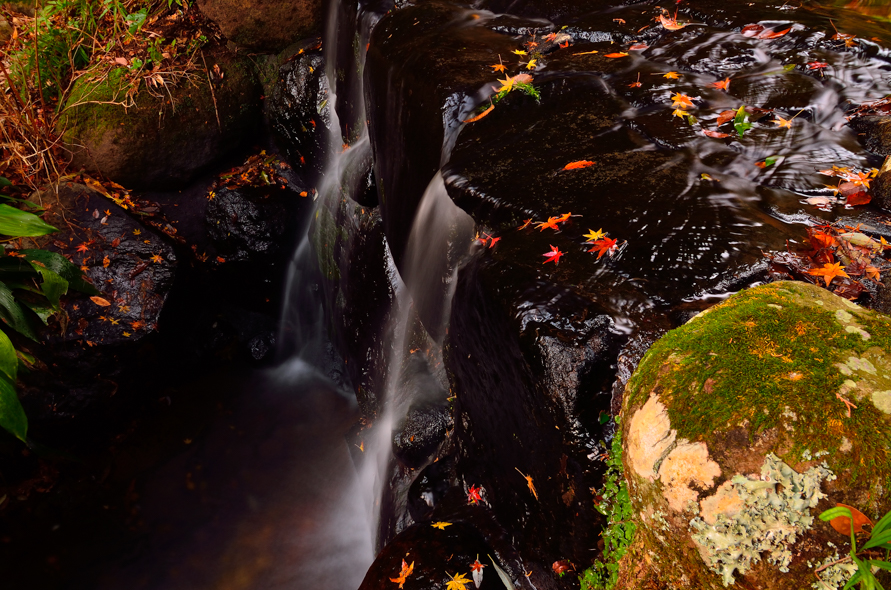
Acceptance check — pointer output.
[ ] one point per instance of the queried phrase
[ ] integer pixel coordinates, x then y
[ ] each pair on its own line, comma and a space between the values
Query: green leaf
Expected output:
828, 515
9, 362
854, 579
39, 305
13, 315
18, 223
879, 564
770, 160
5, 182
789, 67
53, 285
882, 524
12, 416
741, 121
877, 540
63, 267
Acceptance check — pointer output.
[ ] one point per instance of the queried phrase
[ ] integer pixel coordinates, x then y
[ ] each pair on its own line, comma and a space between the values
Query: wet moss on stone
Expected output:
779, 356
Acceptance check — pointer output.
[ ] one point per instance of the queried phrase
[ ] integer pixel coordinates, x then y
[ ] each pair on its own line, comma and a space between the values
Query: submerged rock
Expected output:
160, 141
740, 427
874, 132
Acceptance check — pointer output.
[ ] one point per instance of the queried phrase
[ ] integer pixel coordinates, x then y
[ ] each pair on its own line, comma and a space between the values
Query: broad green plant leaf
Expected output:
13, 315
53, 286
63, 267
9, 362
879, 539
39, 305
12, 416
15, 222
4, 182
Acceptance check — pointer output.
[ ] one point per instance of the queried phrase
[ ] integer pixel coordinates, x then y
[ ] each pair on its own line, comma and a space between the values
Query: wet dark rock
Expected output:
437, 555
358, 281
412, 111
255, 223
298, 109
264, 25
880, 188
161, 142
85, 360
422, 430
874, 132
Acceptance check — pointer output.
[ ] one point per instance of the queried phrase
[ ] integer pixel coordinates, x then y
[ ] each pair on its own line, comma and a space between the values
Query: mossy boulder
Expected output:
738, 434
264, 25
169, 134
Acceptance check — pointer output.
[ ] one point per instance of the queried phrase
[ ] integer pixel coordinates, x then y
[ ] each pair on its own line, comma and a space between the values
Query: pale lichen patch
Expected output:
882, 400
687, 465
855, 330
649, 437
843, 316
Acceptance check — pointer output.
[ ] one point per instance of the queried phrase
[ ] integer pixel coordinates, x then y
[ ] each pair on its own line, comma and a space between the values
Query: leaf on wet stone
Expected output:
481, 115
553, 256
829, 272
679, 99
715, 134
671, 75
616, 55
741, 121
723, 84
578, 164
457, 582
670, 23
100, 301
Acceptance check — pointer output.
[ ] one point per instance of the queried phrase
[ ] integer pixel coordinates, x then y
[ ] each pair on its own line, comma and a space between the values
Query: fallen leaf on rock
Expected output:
615, 55
481, 115
670, 23
768, 34
441, 525
821, 202
473, 495
528, 478
551, 223
476, 571
817, 65
457, 582
843, 524
829, 272
787, 123
100, 301
579, 164
603, 246
587, 52
671, 75
638, 47
406, 571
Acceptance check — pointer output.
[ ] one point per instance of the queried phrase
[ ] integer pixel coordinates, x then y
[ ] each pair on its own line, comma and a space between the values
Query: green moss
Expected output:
776, 357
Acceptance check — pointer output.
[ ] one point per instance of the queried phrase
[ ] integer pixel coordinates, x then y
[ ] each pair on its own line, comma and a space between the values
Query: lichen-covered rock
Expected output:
741, 426
165, 139
264, 25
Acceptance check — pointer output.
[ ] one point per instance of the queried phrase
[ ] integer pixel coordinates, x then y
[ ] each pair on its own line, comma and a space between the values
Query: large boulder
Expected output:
166, 137
105, 339
264, 25
741, 426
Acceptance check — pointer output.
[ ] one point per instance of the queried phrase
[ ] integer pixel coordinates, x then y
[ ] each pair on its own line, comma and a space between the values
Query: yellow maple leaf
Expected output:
671, 75
506, 85
594, 235
679, 113
457, 582
519, 52
441, 525
531, 64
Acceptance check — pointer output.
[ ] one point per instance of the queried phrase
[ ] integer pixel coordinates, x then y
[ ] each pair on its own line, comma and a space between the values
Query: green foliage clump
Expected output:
619, 531
31, 283
879, 541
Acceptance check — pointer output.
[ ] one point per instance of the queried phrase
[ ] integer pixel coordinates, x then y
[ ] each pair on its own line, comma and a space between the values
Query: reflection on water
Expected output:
262, 500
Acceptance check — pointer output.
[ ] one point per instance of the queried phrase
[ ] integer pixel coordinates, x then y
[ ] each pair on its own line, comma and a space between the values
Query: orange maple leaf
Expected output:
671, 23
550, 223
528, 478
481, 115
616, 55
829, 272
723, 84
681, 100
787, 123
406, 571
671, 75
579, 164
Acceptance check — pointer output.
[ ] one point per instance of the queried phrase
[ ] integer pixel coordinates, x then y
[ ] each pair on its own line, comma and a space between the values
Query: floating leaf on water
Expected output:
616, 55
100, 301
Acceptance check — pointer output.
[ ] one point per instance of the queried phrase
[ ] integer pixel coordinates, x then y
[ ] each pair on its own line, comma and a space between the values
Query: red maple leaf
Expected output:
553, 256
603, 246
723, 84
473, 495
550, 223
